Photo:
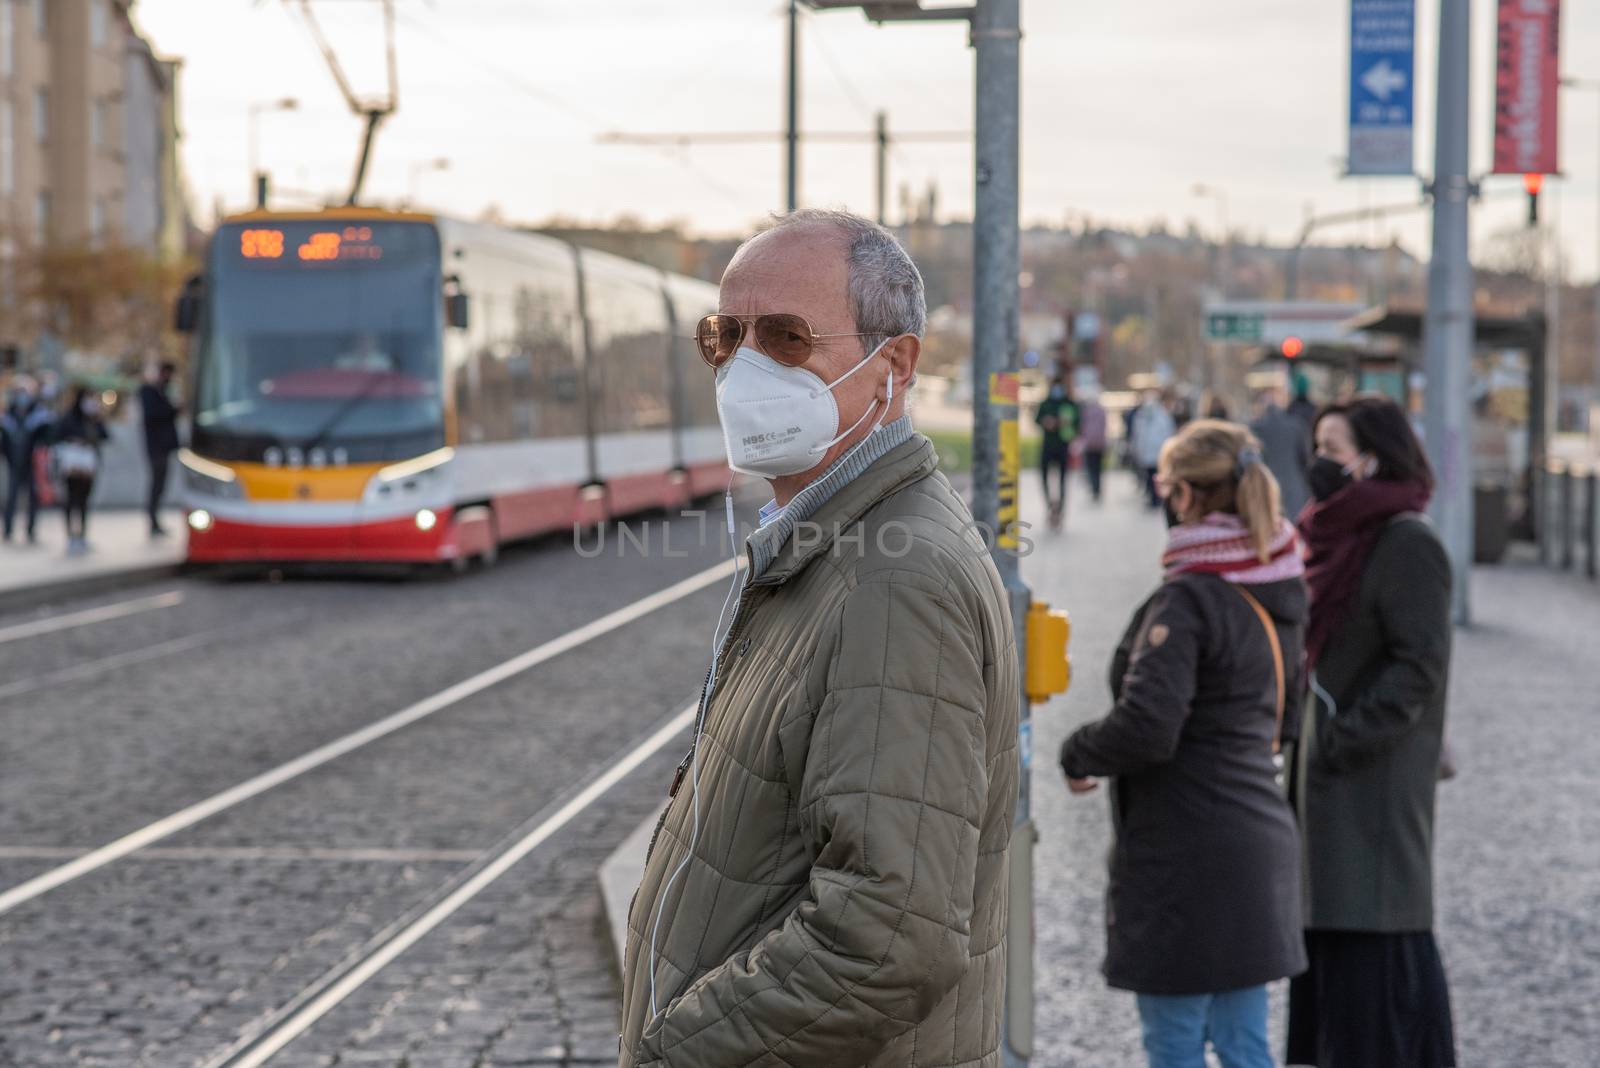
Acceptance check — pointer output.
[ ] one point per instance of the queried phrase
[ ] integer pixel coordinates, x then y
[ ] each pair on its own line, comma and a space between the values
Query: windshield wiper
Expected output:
345, 409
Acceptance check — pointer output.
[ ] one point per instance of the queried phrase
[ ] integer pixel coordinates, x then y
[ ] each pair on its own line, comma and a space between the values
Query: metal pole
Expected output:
1538, 446
1550, 247
253, 116
1591, 525
996, 40
1448, 326
883, 168
792, 134
1566, 519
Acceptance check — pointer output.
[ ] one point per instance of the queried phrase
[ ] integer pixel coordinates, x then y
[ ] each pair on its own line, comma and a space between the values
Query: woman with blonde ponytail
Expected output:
1204, 905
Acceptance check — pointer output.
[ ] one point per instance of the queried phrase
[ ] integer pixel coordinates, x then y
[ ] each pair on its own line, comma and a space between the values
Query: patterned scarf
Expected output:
1220, 544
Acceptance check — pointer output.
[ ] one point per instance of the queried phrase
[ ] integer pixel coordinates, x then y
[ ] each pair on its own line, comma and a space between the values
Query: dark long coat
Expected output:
1373, 729
1205, 880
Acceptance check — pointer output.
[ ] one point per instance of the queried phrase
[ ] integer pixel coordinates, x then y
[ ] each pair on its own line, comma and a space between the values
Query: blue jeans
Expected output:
1176, 1028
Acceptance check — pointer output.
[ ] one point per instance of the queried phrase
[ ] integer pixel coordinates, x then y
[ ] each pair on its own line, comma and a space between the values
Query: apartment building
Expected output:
87, 130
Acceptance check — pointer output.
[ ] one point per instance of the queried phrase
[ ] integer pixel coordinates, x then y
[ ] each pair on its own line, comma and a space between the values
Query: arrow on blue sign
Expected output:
1382, 79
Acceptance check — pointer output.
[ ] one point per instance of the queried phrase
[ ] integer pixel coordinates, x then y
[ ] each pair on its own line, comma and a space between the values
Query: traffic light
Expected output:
1533, 183
1292, 347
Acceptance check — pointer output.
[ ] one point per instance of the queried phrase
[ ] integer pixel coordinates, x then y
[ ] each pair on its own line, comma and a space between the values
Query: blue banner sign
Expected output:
1382, 54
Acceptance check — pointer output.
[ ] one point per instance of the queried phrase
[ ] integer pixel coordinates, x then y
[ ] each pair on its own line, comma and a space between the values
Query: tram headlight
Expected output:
208, 479
427, 519
200, 520
424, 474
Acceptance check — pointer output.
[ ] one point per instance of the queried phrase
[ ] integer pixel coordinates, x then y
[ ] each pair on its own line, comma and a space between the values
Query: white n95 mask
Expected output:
779, 420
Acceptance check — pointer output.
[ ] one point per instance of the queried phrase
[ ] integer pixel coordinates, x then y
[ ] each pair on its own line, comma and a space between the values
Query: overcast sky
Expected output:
1126, 106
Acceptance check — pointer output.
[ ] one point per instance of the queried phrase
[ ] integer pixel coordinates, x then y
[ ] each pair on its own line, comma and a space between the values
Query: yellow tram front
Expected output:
318, 417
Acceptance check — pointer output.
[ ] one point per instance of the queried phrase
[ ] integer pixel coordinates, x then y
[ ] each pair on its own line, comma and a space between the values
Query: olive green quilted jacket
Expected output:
845, 903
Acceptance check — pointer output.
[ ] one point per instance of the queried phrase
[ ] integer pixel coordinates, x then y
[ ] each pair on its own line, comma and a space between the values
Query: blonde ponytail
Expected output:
1257, 502
1222, 463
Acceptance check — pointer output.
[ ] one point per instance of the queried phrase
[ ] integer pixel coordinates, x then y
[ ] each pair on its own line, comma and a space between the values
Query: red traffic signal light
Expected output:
1292, 347
1533, 182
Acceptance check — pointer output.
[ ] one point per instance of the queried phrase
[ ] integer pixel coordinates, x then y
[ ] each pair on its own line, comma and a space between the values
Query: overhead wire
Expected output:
856, 99
557, 101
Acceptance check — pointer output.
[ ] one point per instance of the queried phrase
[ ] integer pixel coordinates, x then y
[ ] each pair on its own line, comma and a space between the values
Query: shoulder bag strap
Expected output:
1277, 659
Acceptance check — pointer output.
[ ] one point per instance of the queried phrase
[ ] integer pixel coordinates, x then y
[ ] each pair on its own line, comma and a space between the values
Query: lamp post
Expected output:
418, 169
1592, 85
1225, 244
257, 179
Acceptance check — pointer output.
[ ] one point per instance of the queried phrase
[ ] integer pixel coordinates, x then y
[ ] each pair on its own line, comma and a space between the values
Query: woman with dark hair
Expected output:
76, 455
1378, 650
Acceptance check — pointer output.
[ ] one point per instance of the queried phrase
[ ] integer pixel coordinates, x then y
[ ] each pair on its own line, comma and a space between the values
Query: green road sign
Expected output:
1234, 326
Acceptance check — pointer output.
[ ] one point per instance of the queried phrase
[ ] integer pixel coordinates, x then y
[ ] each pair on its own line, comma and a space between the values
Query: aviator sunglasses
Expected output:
786, 338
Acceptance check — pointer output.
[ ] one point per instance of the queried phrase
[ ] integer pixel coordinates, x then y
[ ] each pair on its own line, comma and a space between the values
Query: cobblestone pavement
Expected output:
1518, 864
164, 958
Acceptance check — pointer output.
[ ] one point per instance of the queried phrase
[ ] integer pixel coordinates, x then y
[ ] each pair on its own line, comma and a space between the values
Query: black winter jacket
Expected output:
1205, 869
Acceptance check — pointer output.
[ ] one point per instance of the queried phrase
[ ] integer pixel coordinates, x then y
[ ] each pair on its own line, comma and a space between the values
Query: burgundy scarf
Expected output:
1340, 533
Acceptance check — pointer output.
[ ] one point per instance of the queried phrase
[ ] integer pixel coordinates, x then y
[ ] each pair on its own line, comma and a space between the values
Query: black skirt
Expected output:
1371, 1000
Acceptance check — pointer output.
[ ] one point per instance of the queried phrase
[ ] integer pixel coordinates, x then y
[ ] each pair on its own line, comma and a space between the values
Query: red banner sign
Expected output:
1526, 84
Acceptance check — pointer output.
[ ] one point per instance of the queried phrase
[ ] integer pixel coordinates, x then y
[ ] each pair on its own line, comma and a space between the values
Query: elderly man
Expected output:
827, 885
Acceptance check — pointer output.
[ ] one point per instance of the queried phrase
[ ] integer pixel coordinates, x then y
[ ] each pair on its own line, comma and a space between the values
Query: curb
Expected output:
619, 878
35, 594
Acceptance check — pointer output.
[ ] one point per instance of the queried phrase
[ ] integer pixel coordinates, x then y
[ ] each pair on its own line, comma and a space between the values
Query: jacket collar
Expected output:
900, 466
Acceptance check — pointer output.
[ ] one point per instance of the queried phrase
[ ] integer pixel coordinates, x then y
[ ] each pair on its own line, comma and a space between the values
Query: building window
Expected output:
97, 220
41, 17
41, 115
97, 23
41, 217
8, 44
97, 124
8, 146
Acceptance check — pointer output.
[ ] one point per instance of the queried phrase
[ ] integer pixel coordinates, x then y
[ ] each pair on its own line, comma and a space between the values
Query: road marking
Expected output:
97, 667
257, 1049
92, 615
365, 855
188, 817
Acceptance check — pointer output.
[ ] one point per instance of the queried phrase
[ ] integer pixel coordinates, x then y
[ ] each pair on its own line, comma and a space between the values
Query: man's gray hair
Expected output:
884, 286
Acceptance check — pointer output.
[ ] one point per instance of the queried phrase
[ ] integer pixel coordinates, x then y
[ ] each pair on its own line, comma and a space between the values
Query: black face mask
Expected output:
1173, 519
1326, 477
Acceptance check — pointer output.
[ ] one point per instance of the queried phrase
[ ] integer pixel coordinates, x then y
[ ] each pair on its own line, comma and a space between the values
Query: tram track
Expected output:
158, 830
337, 984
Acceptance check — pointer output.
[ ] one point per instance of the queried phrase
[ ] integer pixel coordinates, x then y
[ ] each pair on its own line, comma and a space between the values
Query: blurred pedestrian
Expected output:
1286, 443
1378, 645
160, 436
1152, 426
1058, 424
76, 455
828, 883
1092, 441
24, 427
1302, 407
1204, 905
1180, 407
1212, 406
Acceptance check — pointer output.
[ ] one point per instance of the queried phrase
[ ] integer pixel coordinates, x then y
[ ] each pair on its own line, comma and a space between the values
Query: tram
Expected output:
381, 386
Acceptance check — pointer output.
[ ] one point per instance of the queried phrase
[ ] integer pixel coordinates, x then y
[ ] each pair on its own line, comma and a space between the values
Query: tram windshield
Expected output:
321, 343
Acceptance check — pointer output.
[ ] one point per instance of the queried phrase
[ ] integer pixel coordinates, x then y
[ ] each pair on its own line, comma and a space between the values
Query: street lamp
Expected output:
1591, 85
420, 168
1225, 244
288, 103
